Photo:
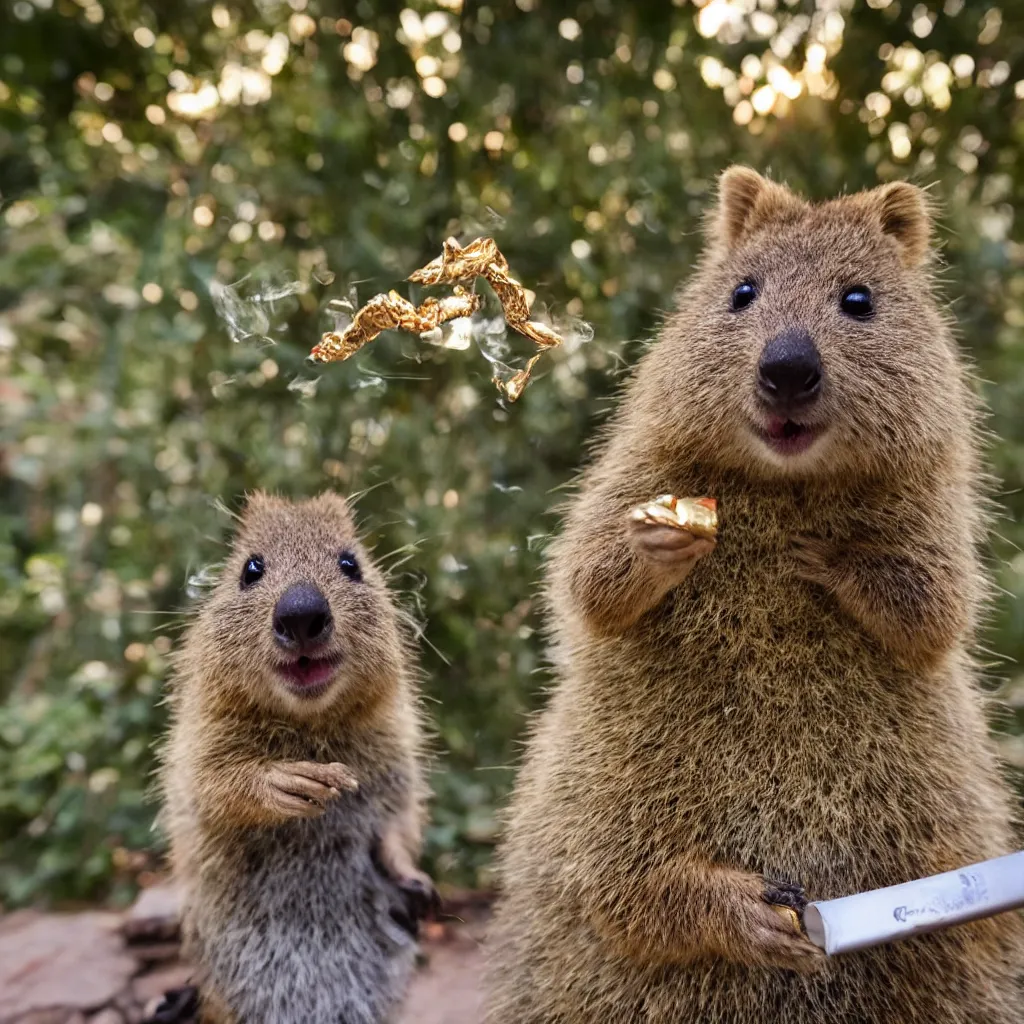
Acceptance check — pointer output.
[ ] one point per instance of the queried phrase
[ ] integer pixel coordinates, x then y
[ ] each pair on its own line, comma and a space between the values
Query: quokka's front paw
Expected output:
303, 789
780, 893
417, 896
765, 928
421, 895
774, 940
178, 1006
668, 548
418, 900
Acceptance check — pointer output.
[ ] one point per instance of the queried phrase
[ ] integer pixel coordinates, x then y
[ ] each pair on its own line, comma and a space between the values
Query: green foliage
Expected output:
152, 154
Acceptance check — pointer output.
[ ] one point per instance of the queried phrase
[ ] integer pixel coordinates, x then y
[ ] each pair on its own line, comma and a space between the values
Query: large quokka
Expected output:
790, 712
291, 779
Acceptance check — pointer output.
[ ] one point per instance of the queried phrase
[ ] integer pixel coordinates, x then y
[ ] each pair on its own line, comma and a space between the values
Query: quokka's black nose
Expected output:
302, 617
789, 371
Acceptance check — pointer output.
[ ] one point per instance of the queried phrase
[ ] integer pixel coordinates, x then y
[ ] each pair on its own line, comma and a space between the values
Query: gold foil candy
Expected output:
456, 264
383, 312
698, 516
516, 384
790, 915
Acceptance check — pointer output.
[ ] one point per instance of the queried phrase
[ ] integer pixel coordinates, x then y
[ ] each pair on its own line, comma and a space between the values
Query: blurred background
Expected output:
191, 192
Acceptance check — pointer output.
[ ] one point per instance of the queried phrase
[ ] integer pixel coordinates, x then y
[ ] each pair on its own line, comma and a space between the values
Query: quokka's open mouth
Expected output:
788, 437
307, 676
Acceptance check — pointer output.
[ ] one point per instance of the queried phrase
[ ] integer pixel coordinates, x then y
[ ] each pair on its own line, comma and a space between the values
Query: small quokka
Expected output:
291, 778
788, 711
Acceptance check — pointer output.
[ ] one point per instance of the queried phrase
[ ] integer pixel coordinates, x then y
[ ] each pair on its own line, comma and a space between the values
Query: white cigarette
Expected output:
928, 904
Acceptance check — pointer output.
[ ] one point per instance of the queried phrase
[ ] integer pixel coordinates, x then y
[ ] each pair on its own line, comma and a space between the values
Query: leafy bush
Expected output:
187, 185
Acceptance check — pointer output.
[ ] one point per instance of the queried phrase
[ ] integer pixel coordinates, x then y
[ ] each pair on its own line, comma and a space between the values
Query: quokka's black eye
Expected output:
349, 565
253, 571
743, 295
856, 302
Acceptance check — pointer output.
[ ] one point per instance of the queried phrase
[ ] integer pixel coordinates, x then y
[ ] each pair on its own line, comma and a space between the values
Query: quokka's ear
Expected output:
336, 503
746, 201
255, 501
904, 214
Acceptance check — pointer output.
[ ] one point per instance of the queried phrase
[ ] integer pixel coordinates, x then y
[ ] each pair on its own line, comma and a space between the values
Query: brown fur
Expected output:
795, 702
242, 747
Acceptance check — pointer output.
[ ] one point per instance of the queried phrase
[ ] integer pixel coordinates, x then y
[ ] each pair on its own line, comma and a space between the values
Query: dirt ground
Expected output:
98, 967
447, 990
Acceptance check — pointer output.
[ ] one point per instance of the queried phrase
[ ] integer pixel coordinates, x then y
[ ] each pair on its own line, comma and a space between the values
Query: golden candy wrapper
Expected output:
455, 265
384, 312
698, 516
790, 915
